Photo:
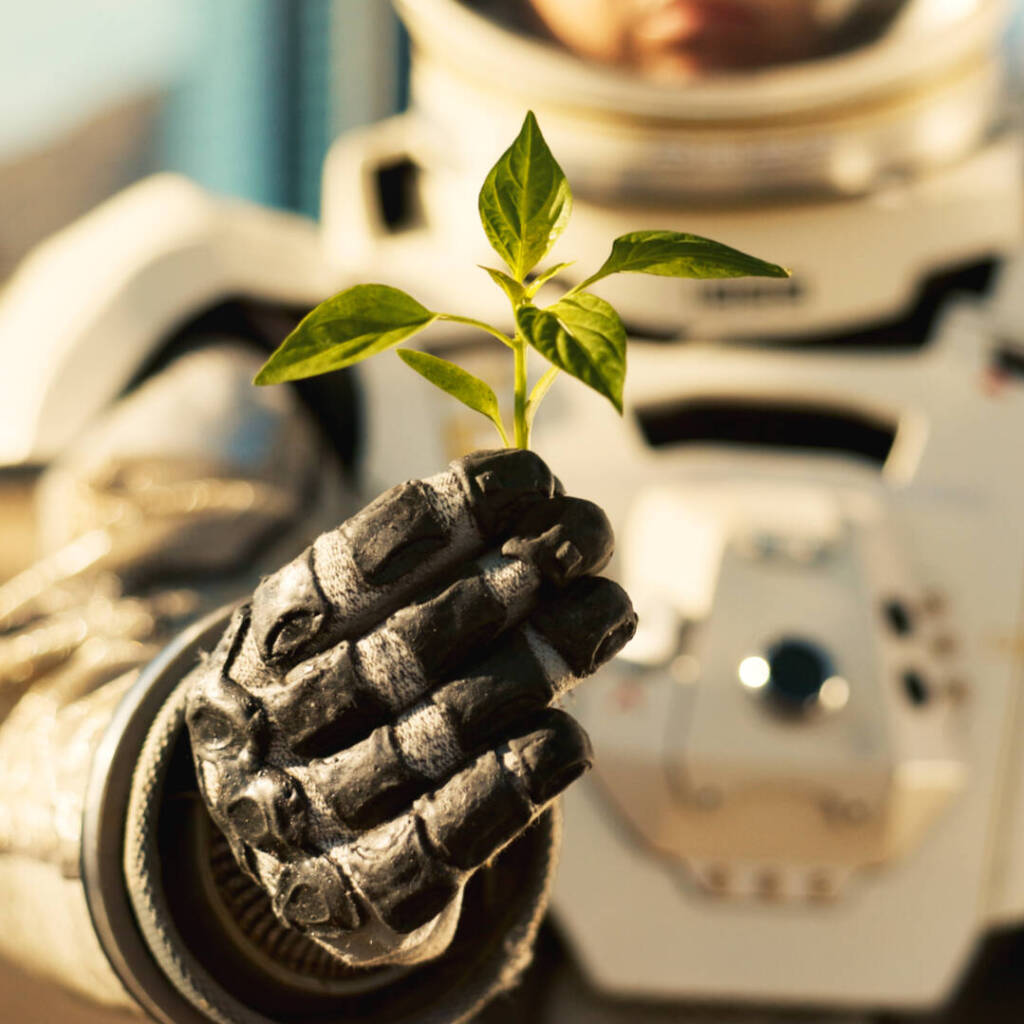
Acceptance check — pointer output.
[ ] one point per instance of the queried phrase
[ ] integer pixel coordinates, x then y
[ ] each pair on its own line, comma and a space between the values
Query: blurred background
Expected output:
243, 96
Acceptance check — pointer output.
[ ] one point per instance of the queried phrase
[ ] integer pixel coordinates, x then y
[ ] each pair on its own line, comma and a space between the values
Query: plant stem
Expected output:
585, 283
522, 426
505, 443
469, 321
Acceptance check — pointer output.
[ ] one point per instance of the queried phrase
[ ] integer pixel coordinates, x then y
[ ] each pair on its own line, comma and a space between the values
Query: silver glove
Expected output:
376, 725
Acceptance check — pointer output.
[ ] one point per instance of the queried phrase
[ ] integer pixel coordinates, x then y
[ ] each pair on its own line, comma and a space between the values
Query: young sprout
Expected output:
524, 204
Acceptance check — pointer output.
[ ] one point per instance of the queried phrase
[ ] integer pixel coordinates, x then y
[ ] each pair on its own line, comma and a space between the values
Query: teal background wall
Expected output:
251, 91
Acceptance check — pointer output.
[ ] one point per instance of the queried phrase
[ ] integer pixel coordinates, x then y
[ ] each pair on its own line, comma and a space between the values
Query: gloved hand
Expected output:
375, 725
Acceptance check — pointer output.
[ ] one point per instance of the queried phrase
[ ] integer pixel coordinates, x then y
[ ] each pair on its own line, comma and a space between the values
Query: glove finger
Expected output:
376, 778
588, 626
253, 803
565, 538
410, 868
312, 895
565, 639
335, 698
568, 539
355, 576
225, 723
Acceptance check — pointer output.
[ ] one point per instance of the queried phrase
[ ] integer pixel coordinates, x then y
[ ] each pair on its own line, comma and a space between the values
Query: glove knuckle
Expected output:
271, 813
313, 896
288, 613
224, 722
393, 534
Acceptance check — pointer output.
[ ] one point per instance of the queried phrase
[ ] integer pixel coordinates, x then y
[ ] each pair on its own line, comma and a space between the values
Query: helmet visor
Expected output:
689, 39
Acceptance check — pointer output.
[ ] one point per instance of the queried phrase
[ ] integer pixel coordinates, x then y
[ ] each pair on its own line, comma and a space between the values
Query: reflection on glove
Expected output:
374, 726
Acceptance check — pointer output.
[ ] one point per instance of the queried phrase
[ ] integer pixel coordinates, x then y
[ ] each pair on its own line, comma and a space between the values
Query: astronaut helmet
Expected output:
860, 142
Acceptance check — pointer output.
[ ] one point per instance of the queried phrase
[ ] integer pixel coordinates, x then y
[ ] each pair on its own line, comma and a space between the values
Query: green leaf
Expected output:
582, 335
544, 276
459, 383
512, 288
676, 254
540, 389
525, 201
352, 325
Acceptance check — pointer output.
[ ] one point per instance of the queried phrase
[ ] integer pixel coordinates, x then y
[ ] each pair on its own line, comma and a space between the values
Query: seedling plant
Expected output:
525, 204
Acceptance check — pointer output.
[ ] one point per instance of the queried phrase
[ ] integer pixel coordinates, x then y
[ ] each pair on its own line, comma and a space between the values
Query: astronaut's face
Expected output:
682, 39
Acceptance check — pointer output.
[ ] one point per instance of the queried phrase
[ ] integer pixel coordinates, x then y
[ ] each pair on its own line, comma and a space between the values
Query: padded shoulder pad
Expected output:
90, 305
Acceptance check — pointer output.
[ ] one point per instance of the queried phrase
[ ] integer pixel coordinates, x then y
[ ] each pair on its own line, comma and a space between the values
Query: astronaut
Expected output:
236, 800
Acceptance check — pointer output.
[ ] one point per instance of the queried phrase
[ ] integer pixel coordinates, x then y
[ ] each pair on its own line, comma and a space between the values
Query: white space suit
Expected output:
834, 457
